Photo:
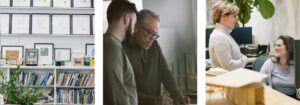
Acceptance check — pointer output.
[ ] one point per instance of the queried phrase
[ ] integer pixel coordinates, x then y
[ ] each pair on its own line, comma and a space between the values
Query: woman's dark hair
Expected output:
288, 41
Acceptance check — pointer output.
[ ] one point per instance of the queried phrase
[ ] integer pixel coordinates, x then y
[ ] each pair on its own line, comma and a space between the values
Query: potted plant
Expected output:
265, 7
14, 94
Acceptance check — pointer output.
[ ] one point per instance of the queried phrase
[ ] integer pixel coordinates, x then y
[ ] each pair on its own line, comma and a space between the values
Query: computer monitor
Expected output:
297, 61
208, 32
240, 35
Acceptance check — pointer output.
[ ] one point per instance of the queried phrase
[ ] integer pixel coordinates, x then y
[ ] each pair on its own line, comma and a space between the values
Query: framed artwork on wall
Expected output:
45, 55
20, 23
40, 24
61, 24
62, 54
31, 57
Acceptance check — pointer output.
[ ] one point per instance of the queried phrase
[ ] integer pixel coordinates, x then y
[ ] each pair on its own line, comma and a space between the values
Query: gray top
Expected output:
119, 86
279, 78
224, 51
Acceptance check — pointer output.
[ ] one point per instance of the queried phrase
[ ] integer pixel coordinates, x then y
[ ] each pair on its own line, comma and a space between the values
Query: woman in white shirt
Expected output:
223, 50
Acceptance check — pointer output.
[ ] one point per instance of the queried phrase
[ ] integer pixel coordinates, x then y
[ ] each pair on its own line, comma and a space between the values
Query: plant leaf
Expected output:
266, 8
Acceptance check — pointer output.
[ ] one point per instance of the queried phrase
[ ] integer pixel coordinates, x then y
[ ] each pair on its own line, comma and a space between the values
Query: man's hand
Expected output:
186, 100
163, 100
298, 93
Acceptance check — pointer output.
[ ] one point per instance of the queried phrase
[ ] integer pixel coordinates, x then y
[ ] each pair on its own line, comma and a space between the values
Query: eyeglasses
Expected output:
277, 45
153, 36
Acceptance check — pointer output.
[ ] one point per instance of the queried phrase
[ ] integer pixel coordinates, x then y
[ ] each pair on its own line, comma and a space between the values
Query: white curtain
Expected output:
285, 21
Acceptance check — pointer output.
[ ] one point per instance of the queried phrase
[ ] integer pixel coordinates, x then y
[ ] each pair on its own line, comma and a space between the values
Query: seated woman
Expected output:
280, 69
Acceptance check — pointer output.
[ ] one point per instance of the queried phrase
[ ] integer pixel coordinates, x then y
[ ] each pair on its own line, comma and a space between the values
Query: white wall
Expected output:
180, 16
177, 14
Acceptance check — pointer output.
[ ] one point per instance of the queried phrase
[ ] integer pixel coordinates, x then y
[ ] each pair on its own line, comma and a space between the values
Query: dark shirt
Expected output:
119, 86
150, 70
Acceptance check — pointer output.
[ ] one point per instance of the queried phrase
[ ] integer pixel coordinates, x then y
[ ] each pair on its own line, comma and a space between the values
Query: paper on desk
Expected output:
236, 78
216, 71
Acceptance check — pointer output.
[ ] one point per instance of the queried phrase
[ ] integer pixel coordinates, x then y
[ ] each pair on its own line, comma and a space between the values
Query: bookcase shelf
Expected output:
47, 10
38, 86
75, 87
87, 74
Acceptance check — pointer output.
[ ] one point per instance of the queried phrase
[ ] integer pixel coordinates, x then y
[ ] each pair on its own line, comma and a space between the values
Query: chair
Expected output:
257, 64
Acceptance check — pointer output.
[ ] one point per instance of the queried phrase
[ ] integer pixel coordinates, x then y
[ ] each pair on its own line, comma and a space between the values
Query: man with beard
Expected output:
149, 65
119, 82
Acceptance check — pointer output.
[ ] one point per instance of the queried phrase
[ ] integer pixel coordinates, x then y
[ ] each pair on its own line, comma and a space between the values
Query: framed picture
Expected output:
81, 24
4, 3
62, 3
4, 26
78, 61
2, 61
93, 24
20, 23
61, 24
22, 3
31, 57
12, 52
62, 54
41, 3
82, 3
89, 49
45, 55
40, 24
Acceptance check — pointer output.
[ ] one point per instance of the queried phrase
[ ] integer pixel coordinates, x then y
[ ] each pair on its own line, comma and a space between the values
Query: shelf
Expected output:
47, 10
75, 87
38, 86
71, 104
45, 104
44, 35
50, 67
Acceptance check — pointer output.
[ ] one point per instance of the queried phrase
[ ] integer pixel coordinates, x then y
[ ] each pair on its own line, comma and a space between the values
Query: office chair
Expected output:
257, 64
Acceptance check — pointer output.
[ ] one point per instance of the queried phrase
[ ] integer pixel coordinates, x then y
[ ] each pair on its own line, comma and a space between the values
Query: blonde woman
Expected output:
223, 50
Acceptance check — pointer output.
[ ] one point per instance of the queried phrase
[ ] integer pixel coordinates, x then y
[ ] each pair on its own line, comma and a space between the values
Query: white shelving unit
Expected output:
75, 42
55, 70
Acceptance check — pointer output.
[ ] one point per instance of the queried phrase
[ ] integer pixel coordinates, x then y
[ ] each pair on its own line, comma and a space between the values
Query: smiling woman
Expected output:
281, 68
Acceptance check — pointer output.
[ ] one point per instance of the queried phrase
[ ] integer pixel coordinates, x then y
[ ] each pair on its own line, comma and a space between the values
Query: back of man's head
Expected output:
118, 8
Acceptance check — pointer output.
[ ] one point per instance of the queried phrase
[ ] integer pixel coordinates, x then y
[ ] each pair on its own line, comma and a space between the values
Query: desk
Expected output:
272, 97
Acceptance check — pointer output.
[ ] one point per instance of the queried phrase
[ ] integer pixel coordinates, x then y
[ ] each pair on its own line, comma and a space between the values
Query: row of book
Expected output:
76, 96
34, 79
75, 79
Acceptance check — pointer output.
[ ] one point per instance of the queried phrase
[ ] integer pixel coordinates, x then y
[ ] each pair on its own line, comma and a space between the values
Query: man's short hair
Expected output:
223, 8
145, 14
118, 8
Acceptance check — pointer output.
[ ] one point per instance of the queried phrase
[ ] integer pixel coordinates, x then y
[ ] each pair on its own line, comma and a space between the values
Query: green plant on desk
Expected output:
14, 94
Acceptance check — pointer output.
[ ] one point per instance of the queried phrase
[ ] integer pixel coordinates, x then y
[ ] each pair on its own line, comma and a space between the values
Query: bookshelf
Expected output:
61, 94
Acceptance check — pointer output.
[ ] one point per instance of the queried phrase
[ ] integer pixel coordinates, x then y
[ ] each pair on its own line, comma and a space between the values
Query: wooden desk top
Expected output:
272, 97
